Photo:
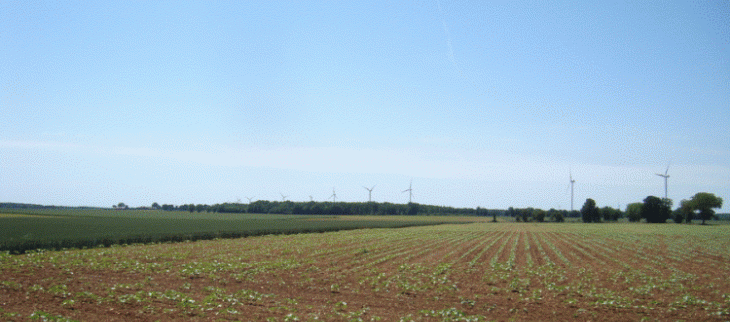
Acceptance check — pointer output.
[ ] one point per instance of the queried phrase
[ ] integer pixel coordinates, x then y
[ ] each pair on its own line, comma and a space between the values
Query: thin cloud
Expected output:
448, 37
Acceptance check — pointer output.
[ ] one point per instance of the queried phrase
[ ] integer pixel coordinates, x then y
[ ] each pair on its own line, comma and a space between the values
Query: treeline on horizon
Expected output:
15, 205
528, 214
295, 208
330, 208
337, 208
333, 208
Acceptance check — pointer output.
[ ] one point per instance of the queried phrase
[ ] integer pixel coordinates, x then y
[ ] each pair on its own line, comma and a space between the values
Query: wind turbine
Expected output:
334, 195
410, 191
370, 193
665, 176
572, 181
311, 198
283, 197
249, 199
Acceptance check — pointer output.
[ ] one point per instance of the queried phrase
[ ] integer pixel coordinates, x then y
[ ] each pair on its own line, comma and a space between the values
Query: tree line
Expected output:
332, 208
15, 205
658, 210
653, 209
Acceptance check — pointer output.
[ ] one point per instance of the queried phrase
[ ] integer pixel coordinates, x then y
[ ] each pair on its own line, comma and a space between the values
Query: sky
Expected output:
477, 103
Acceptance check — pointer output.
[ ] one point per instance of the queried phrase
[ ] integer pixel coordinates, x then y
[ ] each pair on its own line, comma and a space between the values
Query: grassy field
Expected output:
22, 230
465, 272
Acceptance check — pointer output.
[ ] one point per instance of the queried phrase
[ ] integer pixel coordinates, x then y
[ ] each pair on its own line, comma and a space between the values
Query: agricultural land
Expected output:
32, 229
453, 272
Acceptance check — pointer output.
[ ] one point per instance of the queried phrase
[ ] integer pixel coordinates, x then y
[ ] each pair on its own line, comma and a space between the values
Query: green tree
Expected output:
677, 216
633, 211
155, 206
589, 212
510, 212
704, 202
686, 211
522, 214
539, 215
655, 210
526, 214
668, 202
556, 215
610, 214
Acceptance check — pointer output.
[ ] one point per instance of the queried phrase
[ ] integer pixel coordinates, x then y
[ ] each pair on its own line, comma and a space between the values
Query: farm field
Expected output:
455, 272
22, 230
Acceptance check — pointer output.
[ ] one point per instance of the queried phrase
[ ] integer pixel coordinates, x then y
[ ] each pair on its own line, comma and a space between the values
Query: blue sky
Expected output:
489, 104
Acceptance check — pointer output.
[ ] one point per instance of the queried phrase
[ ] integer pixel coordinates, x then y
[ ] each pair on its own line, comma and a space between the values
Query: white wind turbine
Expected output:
283, 197
572, 181
249, 199
665, 176
334, 195
370, 193
410, 191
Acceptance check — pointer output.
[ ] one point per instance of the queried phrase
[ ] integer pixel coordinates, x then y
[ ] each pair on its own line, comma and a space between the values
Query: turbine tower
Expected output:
334, 195
283, 197
571, 191
370, 193
665, 176
410, 191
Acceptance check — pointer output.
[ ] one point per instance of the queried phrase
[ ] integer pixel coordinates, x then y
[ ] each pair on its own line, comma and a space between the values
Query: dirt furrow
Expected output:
487, 251
551, 251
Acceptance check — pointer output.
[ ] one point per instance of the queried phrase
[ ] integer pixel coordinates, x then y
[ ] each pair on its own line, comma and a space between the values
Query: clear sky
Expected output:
479, 103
